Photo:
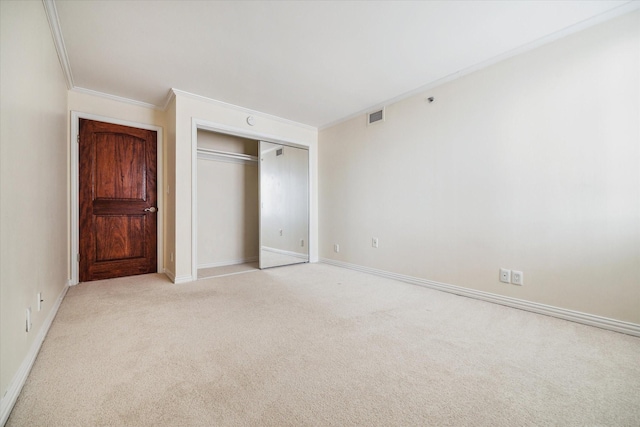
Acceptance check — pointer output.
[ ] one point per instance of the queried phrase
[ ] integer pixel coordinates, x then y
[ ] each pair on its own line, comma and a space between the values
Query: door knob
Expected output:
151, 209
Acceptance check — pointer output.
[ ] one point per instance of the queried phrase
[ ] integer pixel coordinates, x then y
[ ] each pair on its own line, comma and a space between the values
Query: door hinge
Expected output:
78, 257
78, 139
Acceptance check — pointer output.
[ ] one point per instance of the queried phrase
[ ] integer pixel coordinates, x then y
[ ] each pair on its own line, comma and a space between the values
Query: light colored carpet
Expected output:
314, 344
225, 270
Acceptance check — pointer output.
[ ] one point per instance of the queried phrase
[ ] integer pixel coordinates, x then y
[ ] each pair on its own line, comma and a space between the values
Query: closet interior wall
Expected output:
228, 214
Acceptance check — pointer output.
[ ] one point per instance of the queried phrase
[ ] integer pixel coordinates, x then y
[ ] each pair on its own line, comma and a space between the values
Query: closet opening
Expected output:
227, 208
251, 203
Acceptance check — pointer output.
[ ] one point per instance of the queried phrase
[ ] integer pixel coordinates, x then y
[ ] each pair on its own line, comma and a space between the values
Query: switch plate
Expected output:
374, 242
505, 275
336, 248
517, 277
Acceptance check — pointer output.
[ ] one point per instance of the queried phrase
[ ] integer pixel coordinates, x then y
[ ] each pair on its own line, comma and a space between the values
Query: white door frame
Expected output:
75, 186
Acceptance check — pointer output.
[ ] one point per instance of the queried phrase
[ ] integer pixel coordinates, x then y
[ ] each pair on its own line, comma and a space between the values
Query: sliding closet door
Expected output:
284, 205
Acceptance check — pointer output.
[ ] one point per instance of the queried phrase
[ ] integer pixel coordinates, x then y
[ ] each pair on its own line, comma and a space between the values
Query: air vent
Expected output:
279, 152
375, 116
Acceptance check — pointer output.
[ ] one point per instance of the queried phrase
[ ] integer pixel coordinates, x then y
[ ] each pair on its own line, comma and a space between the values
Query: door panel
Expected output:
284, 205
120, 167
119, 237
118, 222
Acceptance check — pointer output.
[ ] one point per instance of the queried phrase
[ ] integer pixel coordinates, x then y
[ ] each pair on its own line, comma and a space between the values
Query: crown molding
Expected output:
54, 24
171, 95
583, 25
58, 40
240, 109
116, 98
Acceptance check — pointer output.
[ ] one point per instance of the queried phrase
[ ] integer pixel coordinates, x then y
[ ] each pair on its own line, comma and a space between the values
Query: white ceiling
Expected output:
313, 62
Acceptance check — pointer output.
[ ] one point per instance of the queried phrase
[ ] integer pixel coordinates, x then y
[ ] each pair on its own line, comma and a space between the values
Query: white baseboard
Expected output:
177, 279
226, 263
183, 279
170, 274
9, 399
562, 313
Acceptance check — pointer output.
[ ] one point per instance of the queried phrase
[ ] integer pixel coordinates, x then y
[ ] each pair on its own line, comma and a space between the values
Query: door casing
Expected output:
74, 190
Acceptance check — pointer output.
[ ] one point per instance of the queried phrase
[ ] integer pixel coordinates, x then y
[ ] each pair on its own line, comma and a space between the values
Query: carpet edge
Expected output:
548, 310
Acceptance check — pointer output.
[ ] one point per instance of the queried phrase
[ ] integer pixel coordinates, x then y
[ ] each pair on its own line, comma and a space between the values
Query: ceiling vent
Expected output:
375, 117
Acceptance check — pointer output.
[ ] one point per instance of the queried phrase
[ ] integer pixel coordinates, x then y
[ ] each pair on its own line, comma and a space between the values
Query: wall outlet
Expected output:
517, 277
374, 242
171, 256
505, 275
336, 248
302, 243
40, 301
29, 324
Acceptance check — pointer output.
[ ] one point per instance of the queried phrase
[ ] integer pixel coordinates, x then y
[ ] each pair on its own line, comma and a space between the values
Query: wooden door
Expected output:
118, 202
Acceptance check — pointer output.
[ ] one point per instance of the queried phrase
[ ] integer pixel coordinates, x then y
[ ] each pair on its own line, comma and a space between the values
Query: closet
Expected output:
252, 204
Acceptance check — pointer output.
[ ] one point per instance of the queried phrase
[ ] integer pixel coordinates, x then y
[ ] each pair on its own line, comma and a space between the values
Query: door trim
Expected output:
200, 124
75, 187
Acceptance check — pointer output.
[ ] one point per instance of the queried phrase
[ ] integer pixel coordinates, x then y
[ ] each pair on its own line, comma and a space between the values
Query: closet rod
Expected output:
225, 156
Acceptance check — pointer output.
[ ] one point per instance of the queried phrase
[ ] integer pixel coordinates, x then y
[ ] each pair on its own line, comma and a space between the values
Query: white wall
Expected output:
33, 186
227, 203
532, 164
190, 109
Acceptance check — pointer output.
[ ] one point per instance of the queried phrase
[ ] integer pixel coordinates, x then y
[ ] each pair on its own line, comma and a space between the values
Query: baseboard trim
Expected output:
9, 399
177, 279
562, 313
170, 275
226, 263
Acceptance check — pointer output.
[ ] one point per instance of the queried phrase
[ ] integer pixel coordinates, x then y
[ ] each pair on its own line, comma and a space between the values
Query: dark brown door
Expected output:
117, 201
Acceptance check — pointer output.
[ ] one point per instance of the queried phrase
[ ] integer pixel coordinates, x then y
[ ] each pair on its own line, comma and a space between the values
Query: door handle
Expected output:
151, 209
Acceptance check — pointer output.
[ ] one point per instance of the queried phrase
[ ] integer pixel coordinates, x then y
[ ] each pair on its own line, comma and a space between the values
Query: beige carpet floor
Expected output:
316, 345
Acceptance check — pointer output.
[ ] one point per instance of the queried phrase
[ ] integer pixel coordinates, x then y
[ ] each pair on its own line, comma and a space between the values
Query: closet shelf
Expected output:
225, 156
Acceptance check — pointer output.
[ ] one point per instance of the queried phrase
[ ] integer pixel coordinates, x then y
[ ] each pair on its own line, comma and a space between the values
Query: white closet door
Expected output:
284, 204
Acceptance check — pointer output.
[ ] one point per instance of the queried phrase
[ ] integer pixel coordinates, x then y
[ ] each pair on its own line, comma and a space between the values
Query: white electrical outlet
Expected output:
374, 242
40, 301
336, 248
302, 243
29, 324
505, 275
517, 278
